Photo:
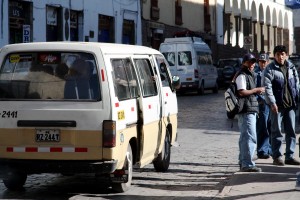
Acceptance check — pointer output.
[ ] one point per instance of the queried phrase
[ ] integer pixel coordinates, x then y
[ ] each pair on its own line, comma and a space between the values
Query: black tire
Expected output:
201, 89
162, 162
128, 165
216, 88
15, 180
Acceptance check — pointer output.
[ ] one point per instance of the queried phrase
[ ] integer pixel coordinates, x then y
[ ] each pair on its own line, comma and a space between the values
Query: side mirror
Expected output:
176, 82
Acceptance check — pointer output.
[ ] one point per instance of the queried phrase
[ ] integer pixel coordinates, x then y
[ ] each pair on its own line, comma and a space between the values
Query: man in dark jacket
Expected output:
247, 117
282, 93
263, 122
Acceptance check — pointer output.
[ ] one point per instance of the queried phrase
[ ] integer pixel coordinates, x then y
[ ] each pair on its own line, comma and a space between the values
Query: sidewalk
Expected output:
274, 182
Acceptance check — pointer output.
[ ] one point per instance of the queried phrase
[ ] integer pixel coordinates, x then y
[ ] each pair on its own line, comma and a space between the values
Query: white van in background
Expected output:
72, 107
190, 59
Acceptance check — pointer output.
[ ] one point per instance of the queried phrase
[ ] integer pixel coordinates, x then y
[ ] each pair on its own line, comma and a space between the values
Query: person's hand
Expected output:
274, 108
260, 90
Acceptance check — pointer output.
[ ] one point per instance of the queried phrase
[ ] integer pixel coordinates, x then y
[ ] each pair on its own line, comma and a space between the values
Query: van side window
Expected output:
209, 59
202, 58
147, 77
184, 58
170, 56
163, 71
125, 80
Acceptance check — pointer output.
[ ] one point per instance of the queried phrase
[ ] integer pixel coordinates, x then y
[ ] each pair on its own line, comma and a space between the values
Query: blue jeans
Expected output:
263, 130
247, 141
287, 116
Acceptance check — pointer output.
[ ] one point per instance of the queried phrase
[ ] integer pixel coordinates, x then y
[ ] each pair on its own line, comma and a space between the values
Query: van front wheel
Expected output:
162, 162
15, 180
128, 169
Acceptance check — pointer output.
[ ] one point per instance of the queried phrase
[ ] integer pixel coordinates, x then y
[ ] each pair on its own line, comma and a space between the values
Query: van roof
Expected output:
197, 42
106, 48
184, 40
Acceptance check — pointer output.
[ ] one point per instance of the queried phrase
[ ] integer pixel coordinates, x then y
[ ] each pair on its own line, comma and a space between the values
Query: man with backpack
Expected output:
246, 89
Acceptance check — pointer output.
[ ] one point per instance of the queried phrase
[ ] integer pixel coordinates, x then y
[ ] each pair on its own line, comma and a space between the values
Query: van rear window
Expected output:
49, 76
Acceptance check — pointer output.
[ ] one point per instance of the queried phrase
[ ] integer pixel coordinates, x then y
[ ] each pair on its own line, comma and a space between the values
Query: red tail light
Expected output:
196, 73
109, 133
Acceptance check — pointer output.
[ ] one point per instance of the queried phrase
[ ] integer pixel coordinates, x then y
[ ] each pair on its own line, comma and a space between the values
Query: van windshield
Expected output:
49, 76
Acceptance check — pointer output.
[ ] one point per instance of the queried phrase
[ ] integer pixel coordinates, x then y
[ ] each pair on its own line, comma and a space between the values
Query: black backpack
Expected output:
233, 103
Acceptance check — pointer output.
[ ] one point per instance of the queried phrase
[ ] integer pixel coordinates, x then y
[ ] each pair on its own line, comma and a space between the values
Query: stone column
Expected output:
274, 35
237, 30
254, 37
269, 39
228, 27
262, 37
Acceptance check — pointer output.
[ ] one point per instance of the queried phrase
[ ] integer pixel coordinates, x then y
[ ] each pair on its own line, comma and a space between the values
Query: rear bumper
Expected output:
186, 86
57, 166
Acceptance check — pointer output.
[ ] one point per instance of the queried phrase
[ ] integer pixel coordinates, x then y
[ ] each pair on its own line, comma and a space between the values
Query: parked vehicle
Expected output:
190, 58
227, 69
84, 108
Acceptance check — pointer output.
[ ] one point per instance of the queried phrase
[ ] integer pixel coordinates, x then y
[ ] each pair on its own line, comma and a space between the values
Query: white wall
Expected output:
125, 9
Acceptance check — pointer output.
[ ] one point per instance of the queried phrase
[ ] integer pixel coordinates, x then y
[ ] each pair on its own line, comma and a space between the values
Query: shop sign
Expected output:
26, 33
16, 12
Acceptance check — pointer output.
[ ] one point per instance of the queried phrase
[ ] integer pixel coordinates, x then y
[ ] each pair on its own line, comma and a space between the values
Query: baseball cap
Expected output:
249, 57
280, 48
264, 57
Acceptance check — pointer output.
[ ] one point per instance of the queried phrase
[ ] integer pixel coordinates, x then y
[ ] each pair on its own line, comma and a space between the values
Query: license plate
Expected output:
47, 135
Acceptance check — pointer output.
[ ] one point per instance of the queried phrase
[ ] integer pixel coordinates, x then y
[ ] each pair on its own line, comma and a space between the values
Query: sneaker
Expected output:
263, 156
292, 161
278, 161
251, 169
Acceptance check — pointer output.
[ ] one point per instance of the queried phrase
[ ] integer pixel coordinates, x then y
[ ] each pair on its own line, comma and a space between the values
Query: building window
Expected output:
20, 22
76, 25
128, 36
178, 12
54, 24
207, 24
106, 29
154, 12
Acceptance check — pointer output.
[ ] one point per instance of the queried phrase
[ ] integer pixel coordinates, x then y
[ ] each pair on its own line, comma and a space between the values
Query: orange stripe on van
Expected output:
102, 75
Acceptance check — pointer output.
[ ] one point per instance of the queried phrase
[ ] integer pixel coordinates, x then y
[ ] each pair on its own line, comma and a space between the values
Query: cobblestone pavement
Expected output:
200, 167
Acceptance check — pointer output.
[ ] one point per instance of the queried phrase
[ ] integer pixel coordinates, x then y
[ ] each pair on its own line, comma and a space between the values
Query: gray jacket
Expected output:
273, 80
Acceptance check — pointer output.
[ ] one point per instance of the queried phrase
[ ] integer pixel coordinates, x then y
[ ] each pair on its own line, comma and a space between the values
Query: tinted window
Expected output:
170, 57
125, 81
147, 77
184, 58
163, 70
49, 75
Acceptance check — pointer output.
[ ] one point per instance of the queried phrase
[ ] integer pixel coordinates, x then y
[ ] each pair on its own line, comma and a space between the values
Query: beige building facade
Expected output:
230, 27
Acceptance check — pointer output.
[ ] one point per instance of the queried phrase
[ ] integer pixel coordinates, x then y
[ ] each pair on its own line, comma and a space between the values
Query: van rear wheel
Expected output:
162, 162
128, 168
15, 180
201, 89
216, 88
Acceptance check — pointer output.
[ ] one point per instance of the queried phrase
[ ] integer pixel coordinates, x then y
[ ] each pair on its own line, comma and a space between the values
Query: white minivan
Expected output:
190, 59
84, 108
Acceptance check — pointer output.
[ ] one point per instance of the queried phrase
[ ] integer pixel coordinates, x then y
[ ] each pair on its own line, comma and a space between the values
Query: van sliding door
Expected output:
149, 105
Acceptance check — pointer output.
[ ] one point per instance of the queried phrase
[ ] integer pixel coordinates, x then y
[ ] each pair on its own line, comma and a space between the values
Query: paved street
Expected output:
201, 167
